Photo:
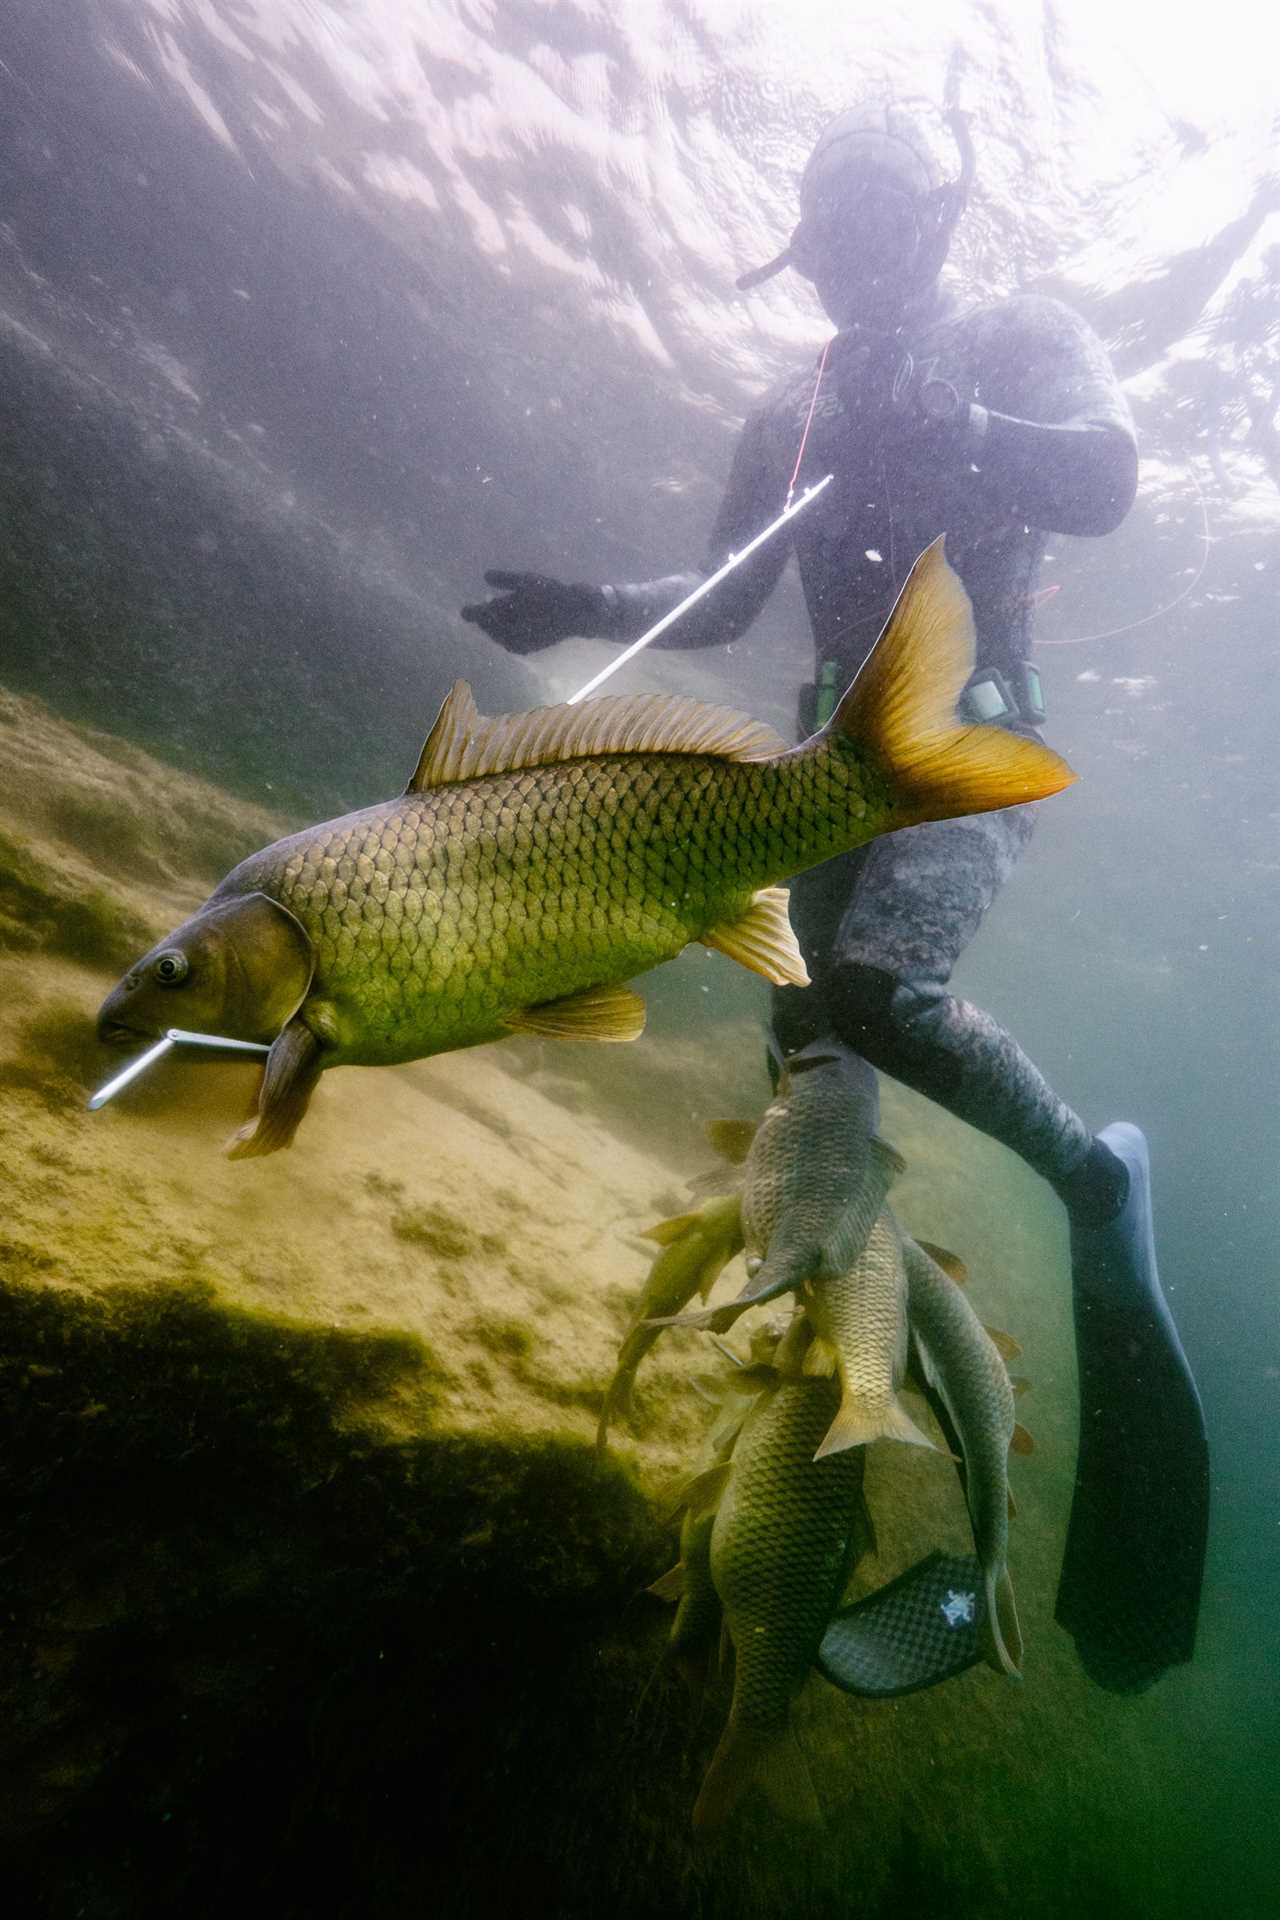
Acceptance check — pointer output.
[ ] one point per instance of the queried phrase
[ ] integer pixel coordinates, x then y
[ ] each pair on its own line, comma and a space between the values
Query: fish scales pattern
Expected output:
809, 1168
781, 1545
863, 1313
443, 912
977, 1392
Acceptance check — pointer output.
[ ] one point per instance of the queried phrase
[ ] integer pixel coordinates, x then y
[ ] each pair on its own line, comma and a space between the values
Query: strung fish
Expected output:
960, 1362
538, 860
786, 1533
860, 1317
695, 1631
815, 1180
694, 1247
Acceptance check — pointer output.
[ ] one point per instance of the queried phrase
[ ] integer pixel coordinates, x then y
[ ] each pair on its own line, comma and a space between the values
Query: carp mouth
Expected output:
119, 1034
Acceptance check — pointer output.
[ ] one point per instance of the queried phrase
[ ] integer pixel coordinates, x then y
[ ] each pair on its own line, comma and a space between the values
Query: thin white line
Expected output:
734, 560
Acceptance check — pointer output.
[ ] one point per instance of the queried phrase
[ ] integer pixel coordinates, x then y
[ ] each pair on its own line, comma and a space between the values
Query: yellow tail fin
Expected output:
903, 706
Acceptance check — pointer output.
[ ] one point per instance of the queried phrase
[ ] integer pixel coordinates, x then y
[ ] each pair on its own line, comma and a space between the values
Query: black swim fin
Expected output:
917, 1631
1129, 1592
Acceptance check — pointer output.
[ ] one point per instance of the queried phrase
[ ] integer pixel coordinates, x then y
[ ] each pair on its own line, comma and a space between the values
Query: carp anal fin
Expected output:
597, 1013
763, 939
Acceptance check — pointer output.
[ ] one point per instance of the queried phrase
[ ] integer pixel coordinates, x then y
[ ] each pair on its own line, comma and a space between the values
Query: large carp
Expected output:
536, 861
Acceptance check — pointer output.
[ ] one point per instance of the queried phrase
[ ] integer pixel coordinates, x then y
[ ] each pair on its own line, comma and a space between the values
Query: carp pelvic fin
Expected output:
598, 1013
762, 940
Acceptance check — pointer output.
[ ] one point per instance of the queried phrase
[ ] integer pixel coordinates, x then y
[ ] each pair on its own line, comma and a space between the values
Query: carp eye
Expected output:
171, 966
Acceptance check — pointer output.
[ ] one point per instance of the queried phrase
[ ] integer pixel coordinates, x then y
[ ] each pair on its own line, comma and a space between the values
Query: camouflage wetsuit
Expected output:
882, 928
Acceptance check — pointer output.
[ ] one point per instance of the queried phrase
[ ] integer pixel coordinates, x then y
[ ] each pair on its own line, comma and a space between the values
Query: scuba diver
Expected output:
995, 424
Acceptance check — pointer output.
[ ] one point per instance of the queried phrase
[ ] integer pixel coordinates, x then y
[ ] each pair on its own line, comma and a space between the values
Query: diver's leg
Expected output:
917, 900
802, 1017
1131, 1578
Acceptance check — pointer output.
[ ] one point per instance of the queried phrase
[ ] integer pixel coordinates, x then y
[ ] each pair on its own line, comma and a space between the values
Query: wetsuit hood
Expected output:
876, 216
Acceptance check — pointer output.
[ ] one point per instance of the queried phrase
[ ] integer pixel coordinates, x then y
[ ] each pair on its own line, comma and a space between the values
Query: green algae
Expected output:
235, 1598
435, 1231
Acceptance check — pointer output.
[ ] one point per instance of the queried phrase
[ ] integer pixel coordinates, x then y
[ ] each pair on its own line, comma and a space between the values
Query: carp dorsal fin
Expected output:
453, 731
463, 744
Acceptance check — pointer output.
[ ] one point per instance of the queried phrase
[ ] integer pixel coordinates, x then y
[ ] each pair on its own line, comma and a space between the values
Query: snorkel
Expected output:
876, 220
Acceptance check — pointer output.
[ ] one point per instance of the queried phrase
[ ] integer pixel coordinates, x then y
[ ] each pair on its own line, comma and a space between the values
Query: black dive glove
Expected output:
534, 611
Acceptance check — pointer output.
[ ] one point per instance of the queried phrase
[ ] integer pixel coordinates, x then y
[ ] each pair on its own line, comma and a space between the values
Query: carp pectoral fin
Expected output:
597, 1013
1021, 1441
951, 1263
732, 1138
762, 940
669, 1585
293, 1066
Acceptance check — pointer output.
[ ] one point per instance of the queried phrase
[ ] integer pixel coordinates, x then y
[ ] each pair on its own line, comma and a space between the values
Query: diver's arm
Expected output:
534, 611
1078, 477
1053, 439
749, 504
